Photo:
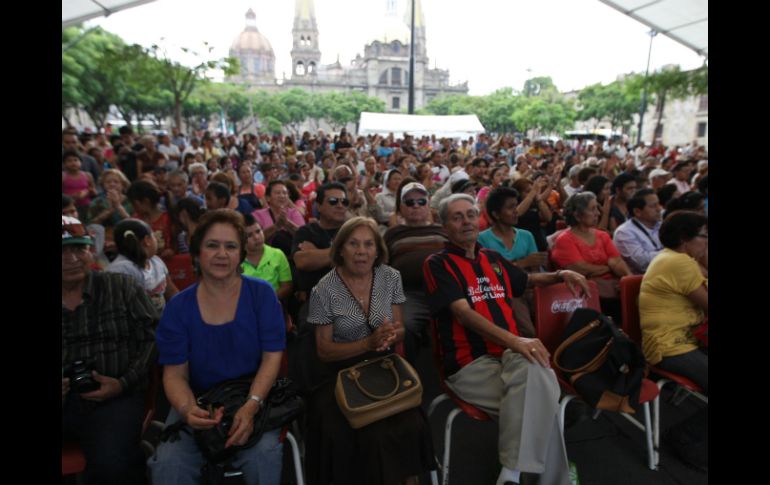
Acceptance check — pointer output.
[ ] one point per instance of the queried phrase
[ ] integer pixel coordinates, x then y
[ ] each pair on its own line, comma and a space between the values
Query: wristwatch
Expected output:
259, 400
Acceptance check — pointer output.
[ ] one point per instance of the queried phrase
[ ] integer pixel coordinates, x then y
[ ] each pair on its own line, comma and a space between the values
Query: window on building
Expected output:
396, 103
308, 40
384, 77
301, 40
257, 65
300, 70
311, 68
704, 103
702, 129
395, 76
395, 47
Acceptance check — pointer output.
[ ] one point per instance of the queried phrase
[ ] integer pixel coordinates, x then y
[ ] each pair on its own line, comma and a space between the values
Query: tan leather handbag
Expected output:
375, 389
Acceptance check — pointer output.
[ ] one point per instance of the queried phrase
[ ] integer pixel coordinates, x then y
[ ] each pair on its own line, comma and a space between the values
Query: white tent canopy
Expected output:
453, 126
685, 21
74, 12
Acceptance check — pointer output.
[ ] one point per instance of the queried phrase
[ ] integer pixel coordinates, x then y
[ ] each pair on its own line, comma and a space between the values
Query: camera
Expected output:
79, 373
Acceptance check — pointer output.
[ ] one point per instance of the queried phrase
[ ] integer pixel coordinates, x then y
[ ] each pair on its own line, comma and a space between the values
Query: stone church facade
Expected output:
382, 71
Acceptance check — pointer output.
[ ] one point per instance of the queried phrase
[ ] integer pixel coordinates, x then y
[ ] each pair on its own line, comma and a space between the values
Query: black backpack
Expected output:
601, 362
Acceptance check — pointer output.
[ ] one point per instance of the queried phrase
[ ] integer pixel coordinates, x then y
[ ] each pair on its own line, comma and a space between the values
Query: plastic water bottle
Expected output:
573, 474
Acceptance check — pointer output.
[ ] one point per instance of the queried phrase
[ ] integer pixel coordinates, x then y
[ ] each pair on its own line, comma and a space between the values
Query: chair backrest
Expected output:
629, 306
180, 268
155, 380
554, 305
438, 351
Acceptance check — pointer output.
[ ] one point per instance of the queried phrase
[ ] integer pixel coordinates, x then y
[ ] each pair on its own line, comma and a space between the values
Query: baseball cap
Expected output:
456, 176
412, 186
657, 172
74, 232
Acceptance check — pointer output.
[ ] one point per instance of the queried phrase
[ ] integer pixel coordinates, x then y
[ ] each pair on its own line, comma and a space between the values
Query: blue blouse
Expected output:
216, 353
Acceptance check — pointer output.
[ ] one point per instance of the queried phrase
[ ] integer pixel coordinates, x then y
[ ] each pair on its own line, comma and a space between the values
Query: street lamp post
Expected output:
643, 108
411, 65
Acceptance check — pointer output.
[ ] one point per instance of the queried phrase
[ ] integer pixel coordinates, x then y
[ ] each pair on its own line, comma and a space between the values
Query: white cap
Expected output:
459, 175
658, 172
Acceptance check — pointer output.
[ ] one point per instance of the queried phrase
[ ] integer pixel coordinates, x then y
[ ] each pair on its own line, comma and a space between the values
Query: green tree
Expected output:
234, 102
137, 93
90, 74
181, 80
542, 86
339, 109
497, 109
197, 107
673, 83
613, 102
546, 117
292, 107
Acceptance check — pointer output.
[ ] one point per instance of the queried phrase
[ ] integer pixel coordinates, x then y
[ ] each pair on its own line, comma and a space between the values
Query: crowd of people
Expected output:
360, 242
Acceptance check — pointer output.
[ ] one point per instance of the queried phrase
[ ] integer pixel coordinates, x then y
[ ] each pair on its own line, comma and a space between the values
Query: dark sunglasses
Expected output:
335, 201
412, 202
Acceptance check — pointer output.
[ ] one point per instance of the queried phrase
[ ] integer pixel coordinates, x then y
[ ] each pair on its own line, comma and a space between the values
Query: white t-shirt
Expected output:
152, 279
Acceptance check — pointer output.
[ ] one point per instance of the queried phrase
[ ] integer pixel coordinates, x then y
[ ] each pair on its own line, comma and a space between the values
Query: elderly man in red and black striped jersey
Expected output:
486, 362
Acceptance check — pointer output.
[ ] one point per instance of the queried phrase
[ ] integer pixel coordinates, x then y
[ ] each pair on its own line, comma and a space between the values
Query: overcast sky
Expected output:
489, 43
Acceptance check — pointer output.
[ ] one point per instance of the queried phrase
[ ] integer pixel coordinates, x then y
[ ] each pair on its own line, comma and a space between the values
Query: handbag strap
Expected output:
594, 363
386, 363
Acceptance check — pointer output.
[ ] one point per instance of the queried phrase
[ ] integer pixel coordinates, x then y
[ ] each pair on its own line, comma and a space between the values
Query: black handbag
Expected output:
601, 362
281, 407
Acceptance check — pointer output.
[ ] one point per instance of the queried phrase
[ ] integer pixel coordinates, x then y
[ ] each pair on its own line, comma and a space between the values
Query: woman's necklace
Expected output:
357, 290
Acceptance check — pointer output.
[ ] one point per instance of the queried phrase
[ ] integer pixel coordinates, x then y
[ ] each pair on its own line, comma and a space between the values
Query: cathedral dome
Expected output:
251, 39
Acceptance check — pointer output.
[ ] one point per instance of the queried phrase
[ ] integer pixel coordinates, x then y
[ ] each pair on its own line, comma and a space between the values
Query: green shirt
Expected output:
273, 267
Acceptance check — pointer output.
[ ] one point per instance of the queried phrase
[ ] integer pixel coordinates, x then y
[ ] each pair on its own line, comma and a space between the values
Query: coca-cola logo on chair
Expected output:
566, 306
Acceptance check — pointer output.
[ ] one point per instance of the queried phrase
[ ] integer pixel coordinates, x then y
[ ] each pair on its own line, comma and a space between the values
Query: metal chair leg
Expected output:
651, 458
296, 459
562, 409
448, 444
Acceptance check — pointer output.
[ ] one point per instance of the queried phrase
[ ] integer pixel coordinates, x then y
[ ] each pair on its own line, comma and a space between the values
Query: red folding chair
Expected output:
629, 301
460, 406
180, 269
630, 287
554, 306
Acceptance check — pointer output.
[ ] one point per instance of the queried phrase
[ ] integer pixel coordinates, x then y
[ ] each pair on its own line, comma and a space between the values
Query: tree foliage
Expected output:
180, 80
614, 102
89, 71
538, 106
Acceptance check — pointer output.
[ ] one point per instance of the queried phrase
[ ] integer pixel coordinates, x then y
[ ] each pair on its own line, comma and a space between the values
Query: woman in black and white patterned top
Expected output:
357, 312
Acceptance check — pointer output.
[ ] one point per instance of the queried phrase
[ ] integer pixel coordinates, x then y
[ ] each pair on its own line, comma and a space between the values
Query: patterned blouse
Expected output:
332, 303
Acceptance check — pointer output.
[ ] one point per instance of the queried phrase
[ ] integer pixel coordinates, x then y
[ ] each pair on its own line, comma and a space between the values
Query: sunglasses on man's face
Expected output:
335, 201
412, 202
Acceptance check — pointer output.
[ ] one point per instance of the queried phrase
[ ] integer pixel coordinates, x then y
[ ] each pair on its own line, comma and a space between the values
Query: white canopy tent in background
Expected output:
451, 126
685, 21
74, 12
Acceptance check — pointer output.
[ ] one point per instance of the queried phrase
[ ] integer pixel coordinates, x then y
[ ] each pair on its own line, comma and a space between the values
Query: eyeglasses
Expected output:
412, 202
335, 201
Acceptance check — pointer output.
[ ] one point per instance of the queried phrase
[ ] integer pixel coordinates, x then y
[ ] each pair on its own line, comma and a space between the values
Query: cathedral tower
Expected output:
305, 56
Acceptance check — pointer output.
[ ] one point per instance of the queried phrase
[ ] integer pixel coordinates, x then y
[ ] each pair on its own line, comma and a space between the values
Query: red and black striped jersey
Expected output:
488, 283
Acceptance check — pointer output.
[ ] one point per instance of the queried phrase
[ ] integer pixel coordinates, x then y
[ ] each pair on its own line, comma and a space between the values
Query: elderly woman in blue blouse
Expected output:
223, 327
516, 245
356, 309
